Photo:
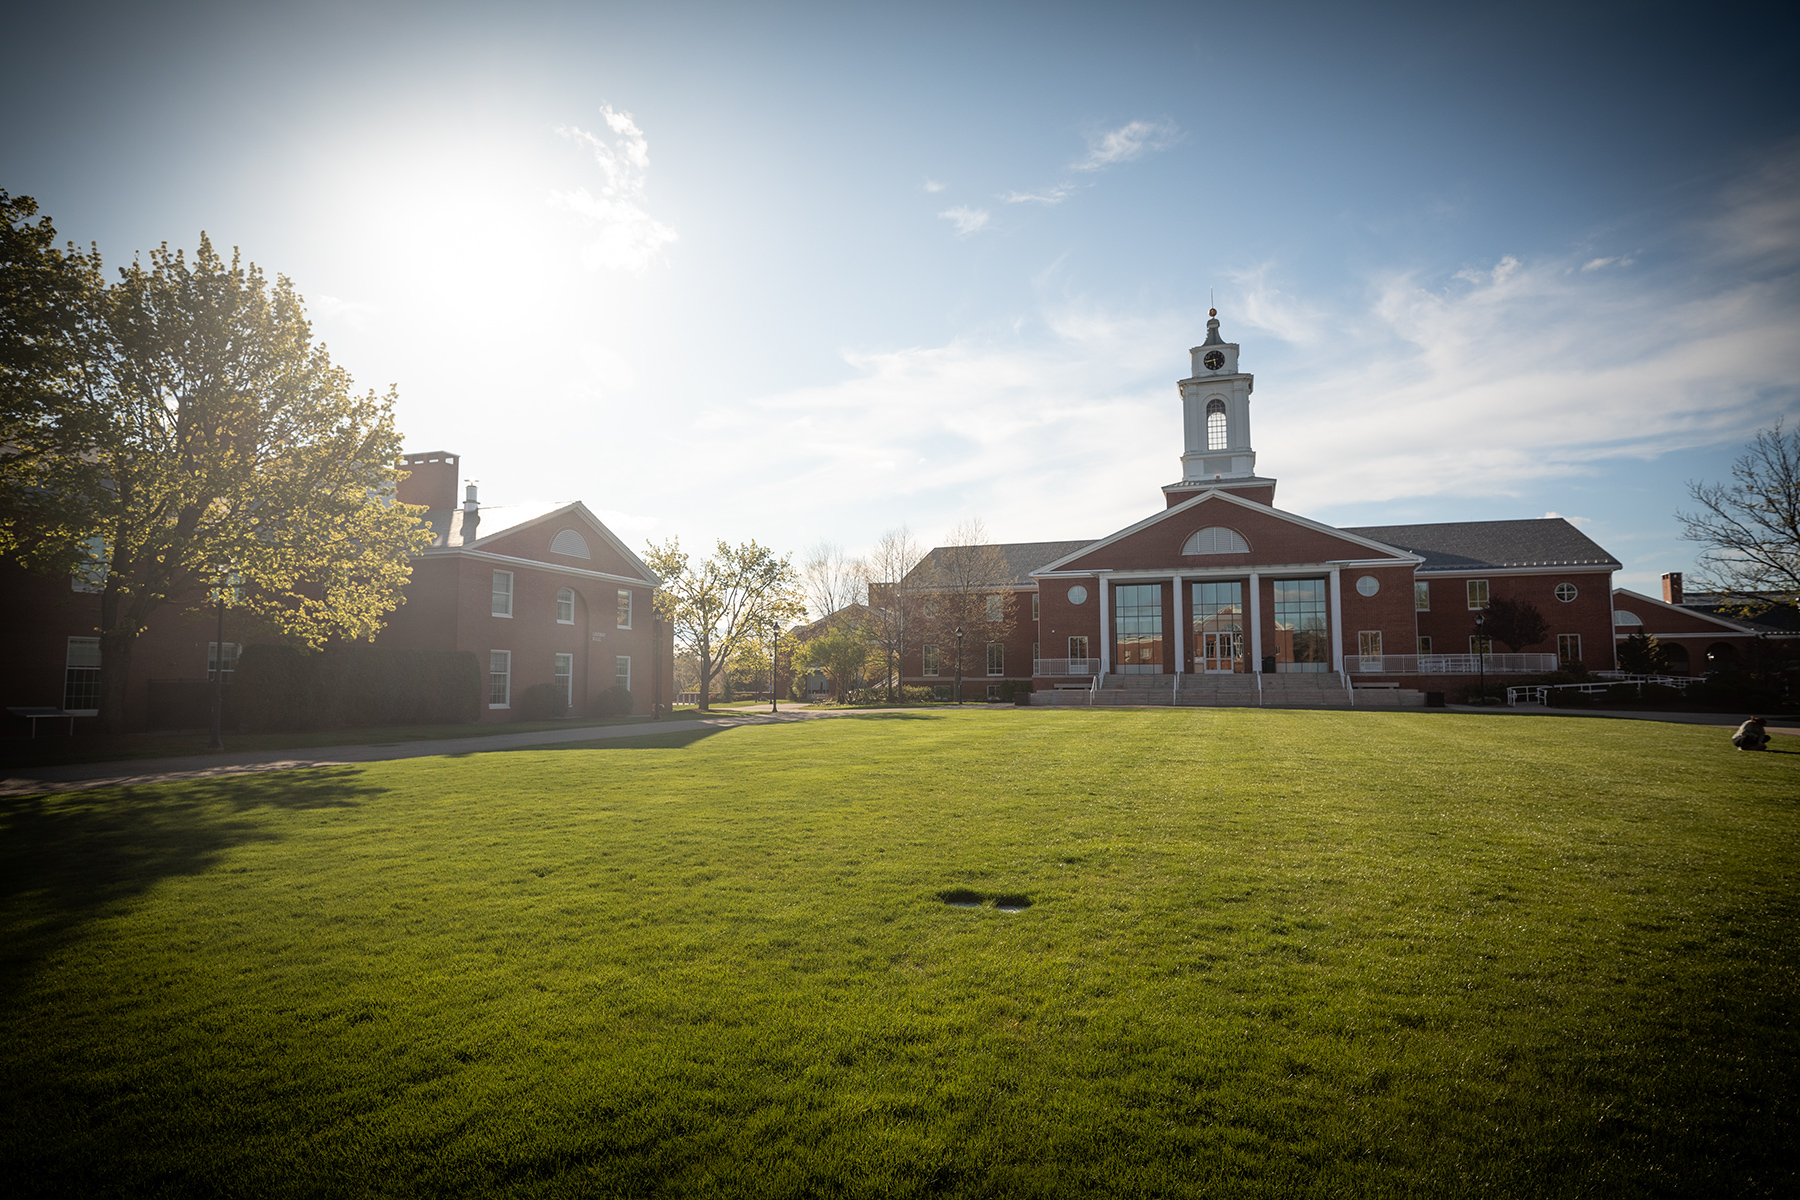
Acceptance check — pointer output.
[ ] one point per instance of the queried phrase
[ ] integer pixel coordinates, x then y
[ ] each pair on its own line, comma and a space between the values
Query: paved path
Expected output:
72, 777
75, 777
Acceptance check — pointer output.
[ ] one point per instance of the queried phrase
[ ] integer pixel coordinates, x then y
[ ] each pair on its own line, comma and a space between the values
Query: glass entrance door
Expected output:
1218, 626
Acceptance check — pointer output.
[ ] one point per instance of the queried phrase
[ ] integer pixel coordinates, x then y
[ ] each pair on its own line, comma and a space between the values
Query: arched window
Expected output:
1216, 539
1215, 424
571, 544
1622, 618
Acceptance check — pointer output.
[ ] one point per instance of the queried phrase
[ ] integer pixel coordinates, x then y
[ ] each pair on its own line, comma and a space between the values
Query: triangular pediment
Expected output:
1271, 537
547, 539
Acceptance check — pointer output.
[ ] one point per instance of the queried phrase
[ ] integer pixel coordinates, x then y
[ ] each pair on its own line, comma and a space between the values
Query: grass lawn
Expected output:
95, 747
1266, 954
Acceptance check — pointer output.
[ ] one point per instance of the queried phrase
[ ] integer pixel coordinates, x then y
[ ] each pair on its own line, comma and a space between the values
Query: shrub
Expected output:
1007, 689
541, 702
615, 701
289, 687
915, 695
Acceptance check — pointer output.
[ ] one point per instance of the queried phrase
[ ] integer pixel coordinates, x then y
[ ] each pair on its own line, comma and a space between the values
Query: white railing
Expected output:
1539, 693
1055, 667
1450, 664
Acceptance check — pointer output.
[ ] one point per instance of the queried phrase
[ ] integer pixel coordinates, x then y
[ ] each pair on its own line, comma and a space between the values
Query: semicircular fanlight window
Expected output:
570, 543
1216, 539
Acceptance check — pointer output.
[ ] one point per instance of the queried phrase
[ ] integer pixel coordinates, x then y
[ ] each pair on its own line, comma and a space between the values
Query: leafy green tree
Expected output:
1515, 624
722, 605
195, 433
1750, 528
846, 651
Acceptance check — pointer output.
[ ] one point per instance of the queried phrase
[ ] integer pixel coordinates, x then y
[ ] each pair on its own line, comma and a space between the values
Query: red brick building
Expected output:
545, 595
1221, 597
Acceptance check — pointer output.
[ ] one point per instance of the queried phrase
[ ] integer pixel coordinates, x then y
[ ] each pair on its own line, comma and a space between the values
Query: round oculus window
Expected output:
1368, 585
1566, 592
1078, 595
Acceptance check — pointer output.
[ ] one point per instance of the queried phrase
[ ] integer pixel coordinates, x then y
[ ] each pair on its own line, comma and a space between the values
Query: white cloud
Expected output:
355, 313
1050, 195
1575, 521
1127, 142
932, 185
629, 237
967, 220
1595, 264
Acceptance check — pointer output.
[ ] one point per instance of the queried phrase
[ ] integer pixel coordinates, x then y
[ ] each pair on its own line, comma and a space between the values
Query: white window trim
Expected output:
1575, 657
68, 666
1486, 592
990, 659
212, 659
1419, 584
571, 617
926, 667
509, 594
630, 607
626, 659
507, 703
569, 679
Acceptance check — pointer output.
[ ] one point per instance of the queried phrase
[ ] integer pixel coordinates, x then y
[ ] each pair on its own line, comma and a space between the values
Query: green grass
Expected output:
1266, 954
98, 747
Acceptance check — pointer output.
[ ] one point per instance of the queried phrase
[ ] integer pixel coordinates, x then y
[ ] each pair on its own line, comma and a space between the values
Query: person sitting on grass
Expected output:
1751, 735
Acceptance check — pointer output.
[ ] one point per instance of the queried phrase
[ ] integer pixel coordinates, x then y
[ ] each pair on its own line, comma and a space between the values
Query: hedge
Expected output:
286, 687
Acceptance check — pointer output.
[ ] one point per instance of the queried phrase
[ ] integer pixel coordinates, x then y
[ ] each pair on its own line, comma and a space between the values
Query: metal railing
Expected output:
1539, 693
1054, 667
1450, 664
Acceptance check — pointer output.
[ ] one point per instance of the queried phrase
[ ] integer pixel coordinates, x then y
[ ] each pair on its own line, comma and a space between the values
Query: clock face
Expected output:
1214, 360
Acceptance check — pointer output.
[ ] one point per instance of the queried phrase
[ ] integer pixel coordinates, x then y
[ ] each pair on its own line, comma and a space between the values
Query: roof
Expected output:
1479, 545
1021, 559
1780, 618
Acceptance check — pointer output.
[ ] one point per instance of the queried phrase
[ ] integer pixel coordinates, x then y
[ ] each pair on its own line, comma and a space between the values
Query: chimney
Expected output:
471, 515
1672, 587
430, 480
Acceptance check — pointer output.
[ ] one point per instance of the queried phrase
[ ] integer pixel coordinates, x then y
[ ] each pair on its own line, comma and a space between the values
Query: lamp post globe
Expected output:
959, 638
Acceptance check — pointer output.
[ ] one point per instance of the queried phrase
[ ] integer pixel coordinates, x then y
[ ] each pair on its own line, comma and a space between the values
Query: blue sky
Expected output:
813, 271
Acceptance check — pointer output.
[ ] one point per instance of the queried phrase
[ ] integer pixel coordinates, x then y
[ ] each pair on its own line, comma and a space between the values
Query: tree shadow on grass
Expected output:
68, 858
681, 739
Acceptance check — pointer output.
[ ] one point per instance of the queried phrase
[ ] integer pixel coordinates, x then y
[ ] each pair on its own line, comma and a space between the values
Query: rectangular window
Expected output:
624, 608
1218, 624
499, 678
996, 658
1478, 593
1421, 596
1368, 643
931, 610
1480, 645
232, 650
622, 671
996, 607
1568, 647
565, 677
931, 660
1137, 628
565, 606
1424, 645
81, 676
1301, 625
503, 593
1077, 654
1034, 606
993, 692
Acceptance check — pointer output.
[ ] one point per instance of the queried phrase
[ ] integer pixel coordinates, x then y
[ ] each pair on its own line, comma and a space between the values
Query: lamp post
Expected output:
218, 704
774, 665
959, 637
1481, 655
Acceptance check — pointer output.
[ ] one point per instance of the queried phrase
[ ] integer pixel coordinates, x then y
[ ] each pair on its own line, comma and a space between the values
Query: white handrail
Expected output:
1348, 690
1259, 701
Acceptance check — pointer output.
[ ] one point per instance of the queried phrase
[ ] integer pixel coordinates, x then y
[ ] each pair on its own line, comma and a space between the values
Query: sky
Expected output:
803, 272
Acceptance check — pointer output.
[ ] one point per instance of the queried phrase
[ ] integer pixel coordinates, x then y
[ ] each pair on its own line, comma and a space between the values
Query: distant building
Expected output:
1221, 597
1697, 631
541, 595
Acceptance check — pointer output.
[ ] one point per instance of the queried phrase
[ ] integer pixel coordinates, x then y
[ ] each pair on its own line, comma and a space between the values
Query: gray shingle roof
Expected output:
1022, 558
1476, 545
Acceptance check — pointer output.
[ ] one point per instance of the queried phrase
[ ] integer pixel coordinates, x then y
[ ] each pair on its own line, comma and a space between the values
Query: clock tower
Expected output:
1215, 418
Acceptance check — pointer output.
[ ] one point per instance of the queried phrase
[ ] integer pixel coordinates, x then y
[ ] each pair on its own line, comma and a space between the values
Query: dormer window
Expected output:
1215, 424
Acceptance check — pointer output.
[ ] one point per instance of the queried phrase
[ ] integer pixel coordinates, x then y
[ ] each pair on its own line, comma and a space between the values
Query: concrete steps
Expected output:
1317, 690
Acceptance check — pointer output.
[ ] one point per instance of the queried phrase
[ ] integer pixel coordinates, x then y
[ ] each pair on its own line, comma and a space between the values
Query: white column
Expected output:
1180, 626
1256, 654
1337, 623
1105, 625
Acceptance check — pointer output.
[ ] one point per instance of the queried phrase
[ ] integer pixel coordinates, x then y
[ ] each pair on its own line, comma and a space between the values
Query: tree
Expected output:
1515, 624
1641, 654
716, 609
1751, 527
891, 560
832, 580
843, 650
963, 585
196, 435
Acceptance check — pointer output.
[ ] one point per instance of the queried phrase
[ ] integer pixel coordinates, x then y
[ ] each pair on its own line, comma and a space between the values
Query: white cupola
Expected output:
1215, 410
